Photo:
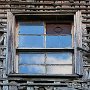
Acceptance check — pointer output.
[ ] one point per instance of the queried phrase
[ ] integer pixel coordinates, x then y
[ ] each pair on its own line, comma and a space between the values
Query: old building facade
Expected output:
44, 45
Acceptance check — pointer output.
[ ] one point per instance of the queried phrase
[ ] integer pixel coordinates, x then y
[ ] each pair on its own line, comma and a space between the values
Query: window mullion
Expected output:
45, 63
44, 35
45, 47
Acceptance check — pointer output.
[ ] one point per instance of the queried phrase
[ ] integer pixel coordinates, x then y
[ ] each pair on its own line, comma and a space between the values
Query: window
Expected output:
44, 35
44, 47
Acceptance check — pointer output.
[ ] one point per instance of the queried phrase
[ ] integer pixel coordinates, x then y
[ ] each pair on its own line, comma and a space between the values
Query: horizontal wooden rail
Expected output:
45, 12
35, 84
43, 8
45, 50
45, 3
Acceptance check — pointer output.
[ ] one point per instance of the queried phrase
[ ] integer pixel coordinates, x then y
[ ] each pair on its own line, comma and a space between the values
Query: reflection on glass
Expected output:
30, 63
34, 69
59, 58
31, 28
31, 41
38, 69
31, 58
59, 69
59, 41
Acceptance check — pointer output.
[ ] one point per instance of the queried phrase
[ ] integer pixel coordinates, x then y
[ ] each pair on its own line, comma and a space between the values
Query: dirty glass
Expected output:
58, 36
32, 69
59, 41
30, 34
31, 28
45, 63
39, 69
31, 41
63, 69
31, 58
59, 58
34, 35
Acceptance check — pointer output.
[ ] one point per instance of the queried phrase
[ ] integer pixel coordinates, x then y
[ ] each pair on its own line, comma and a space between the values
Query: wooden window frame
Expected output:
73, 49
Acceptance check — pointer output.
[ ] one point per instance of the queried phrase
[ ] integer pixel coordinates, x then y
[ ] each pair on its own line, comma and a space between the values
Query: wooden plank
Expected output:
45, 50
82, 49
2, 57
40, 3
86, 21
67, 76
1, 39
44, 84
13, 85
85, 12
78, 42
88, 65
86, 17
44, 12
86, 41
3, 31
43, 8
86, 35
11, 41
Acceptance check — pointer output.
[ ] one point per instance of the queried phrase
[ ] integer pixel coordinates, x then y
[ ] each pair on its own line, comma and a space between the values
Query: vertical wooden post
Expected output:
11, 41
78, 42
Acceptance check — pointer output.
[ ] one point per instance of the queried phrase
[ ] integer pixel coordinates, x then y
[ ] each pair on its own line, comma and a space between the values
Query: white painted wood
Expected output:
11, 42
78, 42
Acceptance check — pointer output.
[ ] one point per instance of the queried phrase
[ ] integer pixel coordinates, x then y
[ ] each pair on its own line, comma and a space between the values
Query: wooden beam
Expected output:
86, 17
36, 8
45, 50
86, 21
2, 57
13, 86
87, 65
44, 3
3, 31
68, 76
43, 12
1, 39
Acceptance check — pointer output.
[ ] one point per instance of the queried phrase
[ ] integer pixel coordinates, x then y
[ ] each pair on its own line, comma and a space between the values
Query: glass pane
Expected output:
59, 41
59, 69
34, 69
31, 28
31, 41
59, 58
28, 58
58, 29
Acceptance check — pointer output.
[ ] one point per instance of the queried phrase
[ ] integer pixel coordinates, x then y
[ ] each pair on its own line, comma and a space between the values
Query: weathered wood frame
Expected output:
11, 28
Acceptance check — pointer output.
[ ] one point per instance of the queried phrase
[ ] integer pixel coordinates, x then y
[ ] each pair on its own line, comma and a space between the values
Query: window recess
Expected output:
45, 47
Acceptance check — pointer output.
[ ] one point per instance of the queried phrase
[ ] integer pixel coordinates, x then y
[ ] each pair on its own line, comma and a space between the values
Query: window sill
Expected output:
68, 76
